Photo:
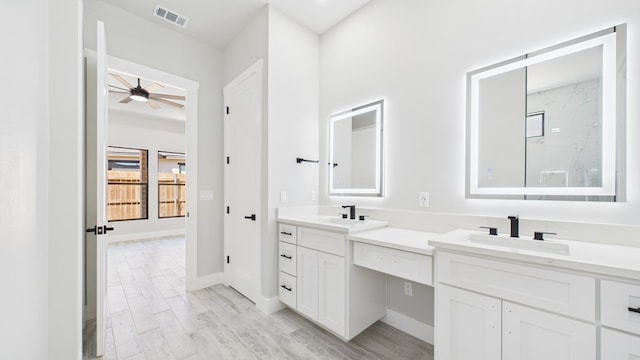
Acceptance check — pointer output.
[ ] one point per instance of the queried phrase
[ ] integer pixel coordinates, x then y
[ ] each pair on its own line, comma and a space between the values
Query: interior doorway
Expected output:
94, 297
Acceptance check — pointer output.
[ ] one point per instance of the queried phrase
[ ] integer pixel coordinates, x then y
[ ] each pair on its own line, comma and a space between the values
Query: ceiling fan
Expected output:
138, 93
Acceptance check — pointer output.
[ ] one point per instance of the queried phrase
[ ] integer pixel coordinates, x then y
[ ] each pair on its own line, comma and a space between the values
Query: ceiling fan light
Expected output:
140, 98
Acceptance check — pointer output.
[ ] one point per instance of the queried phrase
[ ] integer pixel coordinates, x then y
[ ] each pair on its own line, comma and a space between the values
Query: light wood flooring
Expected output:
150, 316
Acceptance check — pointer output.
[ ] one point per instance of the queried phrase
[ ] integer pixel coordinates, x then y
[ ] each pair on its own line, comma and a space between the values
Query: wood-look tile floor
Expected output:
151, 316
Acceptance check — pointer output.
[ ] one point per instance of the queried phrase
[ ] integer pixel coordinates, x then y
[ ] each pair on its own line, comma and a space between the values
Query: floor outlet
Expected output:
283, 197
408, 288
423, 199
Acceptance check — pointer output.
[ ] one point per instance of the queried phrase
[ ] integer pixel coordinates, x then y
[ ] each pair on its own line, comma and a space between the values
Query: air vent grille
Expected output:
170, 16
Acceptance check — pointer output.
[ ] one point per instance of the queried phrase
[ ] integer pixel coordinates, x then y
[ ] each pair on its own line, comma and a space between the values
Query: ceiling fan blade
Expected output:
123, 81
153, 87
118, 92
167, 96
153, 104
126, 100
119, 88
167, 102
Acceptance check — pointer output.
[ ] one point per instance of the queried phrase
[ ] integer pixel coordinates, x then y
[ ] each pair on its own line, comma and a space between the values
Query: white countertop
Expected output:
396, 238
324, 222
613, 260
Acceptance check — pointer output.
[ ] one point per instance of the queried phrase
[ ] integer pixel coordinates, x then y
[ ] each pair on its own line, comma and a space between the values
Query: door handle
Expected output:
99, 230
252, 217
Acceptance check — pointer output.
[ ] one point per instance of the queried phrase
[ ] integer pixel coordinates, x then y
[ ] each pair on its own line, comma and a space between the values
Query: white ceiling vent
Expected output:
170, 16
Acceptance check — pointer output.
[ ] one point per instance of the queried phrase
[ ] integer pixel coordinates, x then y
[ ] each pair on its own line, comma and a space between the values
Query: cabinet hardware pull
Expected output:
286, 233
286, 256
636, 310
285, 287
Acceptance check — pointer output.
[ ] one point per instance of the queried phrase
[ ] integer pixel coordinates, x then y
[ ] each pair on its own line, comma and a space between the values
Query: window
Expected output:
127, 184
172, 197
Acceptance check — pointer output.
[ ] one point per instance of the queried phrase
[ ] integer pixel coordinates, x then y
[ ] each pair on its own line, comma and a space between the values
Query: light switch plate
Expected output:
283, 197
206, 195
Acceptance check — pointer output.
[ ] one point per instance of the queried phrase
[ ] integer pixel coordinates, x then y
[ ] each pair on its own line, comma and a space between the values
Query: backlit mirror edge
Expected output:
614, 185
378, 191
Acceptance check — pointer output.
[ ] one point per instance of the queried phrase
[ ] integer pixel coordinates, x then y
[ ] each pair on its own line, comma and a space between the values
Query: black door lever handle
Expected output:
252, 217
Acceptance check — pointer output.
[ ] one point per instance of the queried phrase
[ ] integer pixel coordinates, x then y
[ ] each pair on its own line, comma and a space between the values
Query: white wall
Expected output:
144, 42
125, 130
40, 167
415, 54
24, 132
292, 128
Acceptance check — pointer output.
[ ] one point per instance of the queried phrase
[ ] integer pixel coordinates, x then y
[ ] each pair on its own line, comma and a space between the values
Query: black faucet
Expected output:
514, 225
352, 211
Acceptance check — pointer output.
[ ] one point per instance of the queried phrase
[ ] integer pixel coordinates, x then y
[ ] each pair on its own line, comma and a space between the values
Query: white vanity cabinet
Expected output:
328, 289
489, 309
620, 304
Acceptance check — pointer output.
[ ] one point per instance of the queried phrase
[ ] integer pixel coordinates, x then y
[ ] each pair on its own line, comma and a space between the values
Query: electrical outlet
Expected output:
423, 199
408, 288
314, 195
283, 197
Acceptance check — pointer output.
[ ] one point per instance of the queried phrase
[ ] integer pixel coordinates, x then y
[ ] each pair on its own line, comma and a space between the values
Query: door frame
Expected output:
256, 69
191, 136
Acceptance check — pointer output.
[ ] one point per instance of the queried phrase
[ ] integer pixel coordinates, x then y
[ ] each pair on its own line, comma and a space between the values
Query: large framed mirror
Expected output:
550, 124
355, 151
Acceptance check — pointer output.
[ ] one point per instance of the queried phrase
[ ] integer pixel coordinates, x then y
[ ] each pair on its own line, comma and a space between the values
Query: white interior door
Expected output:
96, 218
243, 175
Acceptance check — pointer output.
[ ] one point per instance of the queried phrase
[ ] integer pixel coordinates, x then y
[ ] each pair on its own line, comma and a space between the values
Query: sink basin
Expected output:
548, 246
348, 222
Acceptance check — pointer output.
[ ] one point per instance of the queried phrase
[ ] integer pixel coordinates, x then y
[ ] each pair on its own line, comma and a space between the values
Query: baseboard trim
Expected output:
144, 235
409, 325
206, 281
269, 305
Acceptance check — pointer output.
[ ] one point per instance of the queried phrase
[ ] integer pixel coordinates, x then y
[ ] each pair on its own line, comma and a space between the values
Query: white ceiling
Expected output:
216, 22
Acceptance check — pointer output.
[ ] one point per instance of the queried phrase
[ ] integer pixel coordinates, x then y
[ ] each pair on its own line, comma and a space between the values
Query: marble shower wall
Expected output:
569, 153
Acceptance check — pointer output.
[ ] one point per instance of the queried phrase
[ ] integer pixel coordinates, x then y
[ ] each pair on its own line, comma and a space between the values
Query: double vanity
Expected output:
496, 297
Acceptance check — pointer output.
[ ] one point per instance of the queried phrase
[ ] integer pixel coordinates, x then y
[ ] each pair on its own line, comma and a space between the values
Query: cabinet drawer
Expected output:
287, 256
617, 345
616, 299
287, 233
403, 264
287, 290
325, 241
557, 291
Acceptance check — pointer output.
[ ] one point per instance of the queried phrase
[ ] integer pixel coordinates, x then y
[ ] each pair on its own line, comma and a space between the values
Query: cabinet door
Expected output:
529, 334
467, 325
307, 281
332, 292
617, 345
